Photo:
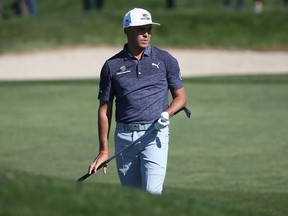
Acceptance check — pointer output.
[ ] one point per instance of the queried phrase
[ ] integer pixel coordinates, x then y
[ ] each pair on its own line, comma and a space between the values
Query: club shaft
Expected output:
118, 153
188, 114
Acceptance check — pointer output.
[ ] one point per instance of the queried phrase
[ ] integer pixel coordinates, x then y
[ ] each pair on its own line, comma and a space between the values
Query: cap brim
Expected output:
153, 23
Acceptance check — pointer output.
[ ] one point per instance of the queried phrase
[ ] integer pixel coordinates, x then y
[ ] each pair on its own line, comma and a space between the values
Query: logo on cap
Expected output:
145, 16
127, 22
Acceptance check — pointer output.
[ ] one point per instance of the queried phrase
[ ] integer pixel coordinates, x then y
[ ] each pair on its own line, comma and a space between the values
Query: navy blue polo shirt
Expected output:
140, 88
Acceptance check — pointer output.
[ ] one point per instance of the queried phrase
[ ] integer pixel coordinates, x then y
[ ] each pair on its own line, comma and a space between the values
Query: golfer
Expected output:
139, 79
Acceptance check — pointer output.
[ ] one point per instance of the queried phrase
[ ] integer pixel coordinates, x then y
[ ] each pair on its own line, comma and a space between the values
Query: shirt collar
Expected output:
147, 52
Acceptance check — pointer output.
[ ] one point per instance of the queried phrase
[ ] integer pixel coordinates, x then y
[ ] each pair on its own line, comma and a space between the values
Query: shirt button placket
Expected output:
139, 70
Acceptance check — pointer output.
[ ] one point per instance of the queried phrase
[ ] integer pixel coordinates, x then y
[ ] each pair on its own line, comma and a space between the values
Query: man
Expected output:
1, 10
170, 4
258, 6
88, 5
139, 78
228, 4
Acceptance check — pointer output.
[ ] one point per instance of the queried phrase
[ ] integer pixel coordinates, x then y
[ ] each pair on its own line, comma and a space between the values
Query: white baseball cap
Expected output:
137, 17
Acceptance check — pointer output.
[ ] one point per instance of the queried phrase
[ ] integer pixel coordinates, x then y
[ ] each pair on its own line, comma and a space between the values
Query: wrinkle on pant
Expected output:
143, 165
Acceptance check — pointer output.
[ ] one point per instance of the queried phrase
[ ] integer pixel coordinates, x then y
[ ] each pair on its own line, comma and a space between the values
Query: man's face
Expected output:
139, 36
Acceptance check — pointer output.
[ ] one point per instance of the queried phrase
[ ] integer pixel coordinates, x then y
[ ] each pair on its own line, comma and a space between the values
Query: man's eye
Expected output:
144, 29
141, 29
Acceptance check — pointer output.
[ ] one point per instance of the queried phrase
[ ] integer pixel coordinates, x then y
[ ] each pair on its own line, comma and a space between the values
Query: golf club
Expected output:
188, 114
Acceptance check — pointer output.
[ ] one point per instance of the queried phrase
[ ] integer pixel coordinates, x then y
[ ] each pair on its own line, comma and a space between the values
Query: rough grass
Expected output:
35, 195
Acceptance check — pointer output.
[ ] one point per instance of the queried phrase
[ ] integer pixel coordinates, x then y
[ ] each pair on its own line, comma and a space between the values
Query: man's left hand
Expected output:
163, 121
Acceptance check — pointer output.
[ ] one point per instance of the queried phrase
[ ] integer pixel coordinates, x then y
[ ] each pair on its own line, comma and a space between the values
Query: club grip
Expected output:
82, 178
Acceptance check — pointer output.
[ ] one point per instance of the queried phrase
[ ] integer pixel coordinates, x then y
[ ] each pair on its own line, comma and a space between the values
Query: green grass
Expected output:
27, 195
230, 158
197, 24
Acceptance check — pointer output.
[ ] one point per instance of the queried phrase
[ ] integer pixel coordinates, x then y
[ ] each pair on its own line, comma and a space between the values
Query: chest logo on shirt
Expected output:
156, 65
122, 70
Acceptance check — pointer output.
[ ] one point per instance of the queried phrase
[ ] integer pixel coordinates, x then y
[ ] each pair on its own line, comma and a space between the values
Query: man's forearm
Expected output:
178, 102
104, 121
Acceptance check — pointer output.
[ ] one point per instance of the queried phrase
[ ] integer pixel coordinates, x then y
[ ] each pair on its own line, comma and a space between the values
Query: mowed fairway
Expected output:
230, 158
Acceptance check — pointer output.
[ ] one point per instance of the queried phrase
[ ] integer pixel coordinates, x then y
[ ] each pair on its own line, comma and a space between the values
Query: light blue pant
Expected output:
143, 165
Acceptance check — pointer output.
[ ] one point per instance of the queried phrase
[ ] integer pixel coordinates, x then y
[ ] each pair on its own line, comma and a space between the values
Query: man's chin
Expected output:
144, 45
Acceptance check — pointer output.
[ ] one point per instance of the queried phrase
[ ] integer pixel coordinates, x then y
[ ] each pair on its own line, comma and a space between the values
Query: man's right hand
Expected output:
101, 158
